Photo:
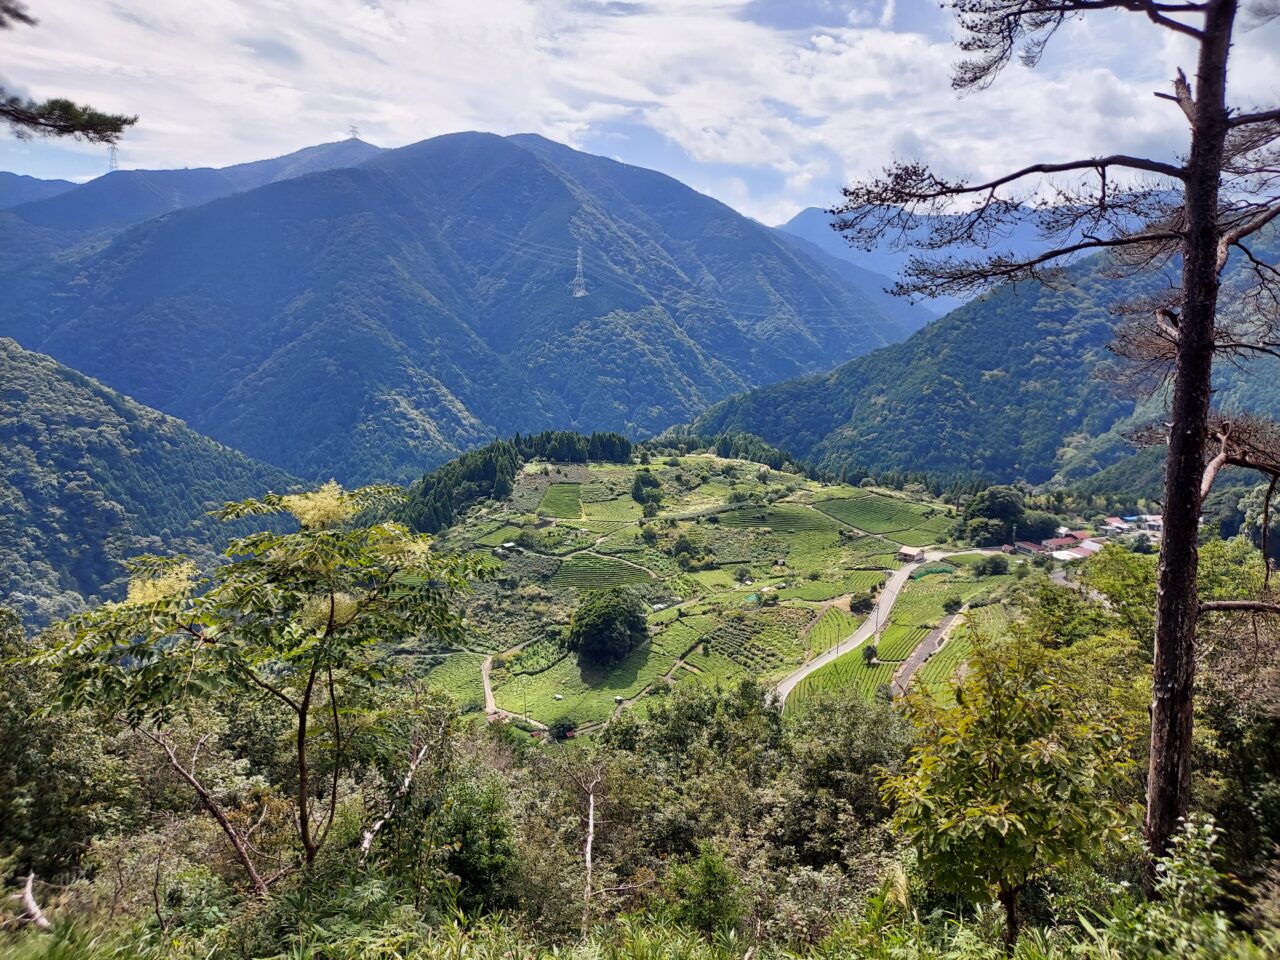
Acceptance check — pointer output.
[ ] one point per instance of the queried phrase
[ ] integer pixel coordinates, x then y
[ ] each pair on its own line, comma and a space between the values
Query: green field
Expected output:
906, 521
849, 671
457, 676
561, 500
587, 571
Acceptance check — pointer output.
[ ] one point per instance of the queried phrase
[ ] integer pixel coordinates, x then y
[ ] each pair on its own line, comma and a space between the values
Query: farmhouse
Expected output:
1115, 526
1027, 547
910, 554
1058, 543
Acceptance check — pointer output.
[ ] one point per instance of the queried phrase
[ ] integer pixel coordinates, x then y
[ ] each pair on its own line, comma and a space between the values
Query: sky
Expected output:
768, 105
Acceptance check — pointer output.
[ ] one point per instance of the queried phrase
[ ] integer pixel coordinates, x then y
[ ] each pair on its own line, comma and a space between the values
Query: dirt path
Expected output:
491, 709
923, 651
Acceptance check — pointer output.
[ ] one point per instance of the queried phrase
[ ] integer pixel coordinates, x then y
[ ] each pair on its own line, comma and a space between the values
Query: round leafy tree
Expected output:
607, 626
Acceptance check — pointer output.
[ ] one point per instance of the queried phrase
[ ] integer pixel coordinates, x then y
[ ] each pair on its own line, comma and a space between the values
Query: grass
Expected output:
587, 571
561, 500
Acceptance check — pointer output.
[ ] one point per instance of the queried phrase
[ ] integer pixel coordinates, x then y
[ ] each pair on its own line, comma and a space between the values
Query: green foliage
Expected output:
90, 478
1010, 781
705, 891
607, 625
62, 783
993, 566
1184, 918
475, 827
304, 618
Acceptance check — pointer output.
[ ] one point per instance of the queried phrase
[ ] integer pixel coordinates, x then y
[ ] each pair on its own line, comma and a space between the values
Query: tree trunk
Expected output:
215, 809
1012, 919
587, 858
1177, 603
309, 846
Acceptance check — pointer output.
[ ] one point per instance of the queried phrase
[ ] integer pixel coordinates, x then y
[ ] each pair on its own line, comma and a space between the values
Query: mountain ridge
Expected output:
369, 322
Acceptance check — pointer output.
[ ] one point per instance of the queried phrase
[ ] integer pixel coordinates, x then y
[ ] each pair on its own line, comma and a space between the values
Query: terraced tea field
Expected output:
904, 521
457, 676
586, 571
832, 627
756, 587
561, 500
850, 670
859, 583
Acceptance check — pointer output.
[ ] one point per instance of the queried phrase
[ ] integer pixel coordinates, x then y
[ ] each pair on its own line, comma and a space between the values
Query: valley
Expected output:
746, 571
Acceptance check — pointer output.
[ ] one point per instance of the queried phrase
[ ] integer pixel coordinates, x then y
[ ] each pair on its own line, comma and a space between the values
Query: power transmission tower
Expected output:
579, 285
353, 132
113, 158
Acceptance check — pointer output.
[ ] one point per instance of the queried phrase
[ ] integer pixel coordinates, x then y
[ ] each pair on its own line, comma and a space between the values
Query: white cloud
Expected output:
767, 115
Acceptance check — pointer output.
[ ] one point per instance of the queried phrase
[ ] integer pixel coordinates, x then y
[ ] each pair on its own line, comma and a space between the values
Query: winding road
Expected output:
879, 615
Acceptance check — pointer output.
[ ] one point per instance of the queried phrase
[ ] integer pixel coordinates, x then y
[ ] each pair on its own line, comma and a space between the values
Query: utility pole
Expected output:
578, 287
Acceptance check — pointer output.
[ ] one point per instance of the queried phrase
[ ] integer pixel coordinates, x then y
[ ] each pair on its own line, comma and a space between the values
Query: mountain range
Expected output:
1011, 386
16, 189
367, 322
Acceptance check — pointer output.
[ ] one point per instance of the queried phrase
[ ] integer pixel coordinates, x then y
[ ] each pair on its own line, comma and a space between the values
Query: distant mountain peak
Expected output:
375, 320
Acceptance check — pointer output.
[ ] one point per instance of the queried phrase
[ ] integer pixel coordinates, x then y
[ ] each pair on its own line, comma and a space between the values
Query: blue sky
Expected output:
768, 105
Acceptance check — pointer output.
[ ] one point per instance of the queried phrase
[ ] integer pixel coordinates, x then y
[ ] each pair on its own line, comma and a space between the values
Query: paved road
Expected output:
884, 603
879, 613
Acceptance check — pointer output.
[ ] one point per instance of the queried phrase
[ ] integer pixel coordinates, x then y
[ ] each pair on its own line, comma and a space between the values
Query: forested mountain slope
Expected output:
992, 389
1010, 386
16, 189
371, 322
89, 478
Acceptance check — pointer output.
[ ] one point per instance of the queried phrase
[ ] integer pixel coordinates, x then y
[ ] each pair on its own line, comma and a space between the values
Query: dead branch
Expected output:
214, 808
31, 908
1239, 606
